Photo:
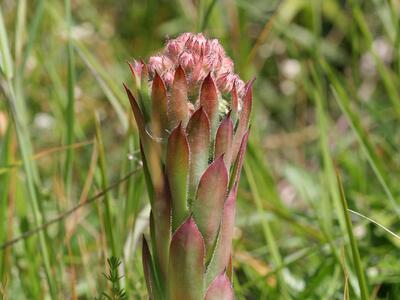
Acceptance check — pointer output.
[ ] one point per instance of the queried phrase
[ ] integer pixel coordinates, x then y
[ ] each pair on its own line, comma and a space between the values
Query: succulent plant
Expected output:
192, 113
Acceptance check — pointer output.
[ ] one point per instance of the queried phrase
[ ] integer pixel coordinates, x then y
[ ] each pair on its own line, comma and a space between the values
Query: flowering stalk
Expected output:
192, 142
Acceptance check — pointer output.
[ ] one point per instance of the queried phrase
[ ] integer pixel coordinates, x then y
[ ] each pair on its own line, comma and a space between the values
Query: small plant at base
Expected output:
115, 293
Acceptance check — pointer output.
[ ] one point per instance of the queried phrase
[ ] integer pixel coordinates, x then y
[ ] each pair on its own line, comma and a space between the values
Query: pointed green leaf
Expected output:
220, 289
154, 160
237, 167
209, 203
223, 249
161, 227
159, 122
209, 101
137, 114
153, 238
177, 168
162, 214
223, 141
160, 274
178, 102
244, 117
151, 149
147, 176
234, 101
186, 267
148, 269
157, 188
198, 131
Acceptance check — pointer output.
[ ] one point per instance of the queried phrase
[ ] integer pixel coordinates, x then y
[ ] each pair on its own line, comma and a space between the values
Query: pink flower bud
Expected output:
173, 48
198, 56
155, 64
167, 63
138, 69
168, 77
240, 86
186, 60
224, 82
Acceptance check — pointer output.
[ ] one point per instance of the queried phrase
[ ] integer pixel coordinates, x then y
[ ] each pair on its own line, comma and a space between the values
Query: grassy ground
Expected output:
327, 101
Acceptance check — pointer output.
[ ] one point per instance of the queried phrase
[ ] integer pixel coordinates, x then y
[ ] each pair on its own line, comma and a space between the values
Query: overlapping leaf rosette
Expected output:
192, 112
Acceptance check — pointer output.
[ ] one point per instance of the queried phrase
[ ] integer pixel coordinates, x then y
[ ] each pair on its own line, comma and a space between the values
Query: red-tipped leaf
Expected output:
223, 249
244, 117
186, 265
209, 100
234, 99
237, 167
177, 168
229, 269
159, 122
198, 131
177, 104
209, 202
220, 289
223, 141
137, 68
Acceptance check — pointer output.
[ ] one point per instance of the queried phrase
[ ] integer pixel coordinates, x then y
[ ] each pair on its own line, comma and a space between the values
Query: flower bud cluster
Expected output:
198, 56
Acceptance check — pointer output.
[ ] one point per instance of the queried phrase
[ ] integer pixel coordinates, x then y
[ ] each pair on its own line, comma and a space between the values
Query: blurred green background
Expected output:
327, 99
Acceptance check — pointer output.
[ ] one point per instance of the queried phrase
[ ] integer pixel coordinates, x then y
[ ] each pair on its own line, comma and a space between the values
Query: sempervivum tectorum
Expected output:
192, 112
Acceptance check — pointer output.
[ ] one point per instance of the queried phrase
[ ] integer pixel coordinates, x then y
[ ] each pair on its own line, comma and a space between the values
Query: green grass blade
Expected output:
353, 244
329, 174
112, 91
16, 105
390, 81
268, 234
20, 31
22, 135
108, 222
33, 31
367, 147
70, 110
6, 64
207, 14
4, 191
376, 223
